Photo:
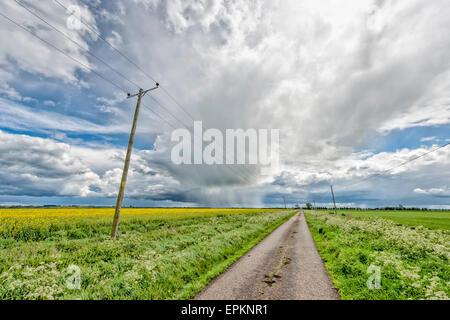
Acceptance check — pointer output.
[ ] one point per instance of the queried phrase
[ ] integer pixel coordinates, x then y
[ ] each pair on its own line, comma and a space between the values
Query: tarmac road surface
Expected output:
284, 266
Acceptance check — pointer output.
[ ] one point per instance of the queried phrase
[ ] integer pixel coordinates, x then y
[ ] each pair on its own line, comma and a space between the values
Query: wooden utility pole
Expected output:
127, 161
284, 198
334, 201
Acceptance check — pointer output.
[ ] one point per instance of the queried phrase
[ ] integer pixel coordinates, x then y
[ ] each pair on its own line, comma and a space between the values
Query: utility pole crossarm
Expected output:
143, 92
127, 161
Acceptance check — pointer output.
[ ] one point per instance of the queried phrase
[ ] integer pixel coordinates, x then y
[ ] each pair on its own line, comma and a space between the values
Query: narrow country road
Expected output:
284, 266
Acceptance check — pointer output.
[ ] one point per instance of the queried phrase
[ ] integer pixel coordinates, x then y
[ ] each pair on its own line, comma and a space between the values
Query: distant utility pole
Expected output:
127, 160
334, 201
284, 198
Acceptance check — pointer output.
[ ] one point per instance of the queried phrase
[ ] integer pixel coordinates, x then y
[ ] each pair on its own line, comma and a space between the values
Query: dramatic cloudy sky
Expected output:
356, 87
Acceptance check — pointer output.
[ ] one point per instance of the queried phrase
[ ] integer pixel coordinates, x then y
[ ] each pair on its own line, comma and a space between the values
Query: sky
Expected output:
355, 88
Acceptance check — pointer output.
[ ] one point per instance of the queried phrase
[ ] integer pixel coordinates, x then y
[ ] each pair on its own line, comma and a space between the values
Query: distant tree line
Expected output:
399, 208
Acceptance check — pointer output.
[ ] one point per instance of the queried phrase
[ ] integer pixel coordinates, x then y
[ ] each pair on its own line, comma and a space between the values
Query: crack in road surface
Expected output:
284, 266
275, 275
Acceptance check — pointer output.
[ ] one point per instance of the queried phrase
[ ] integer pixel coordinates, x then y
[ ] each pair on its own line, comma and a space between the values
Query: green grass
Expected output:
151, 259
428, 219
413, 260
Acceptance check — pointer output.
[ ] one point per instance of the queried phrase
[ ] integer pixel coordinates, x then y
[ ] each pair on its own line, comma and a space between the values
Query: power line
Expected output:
87, 25
95, 72
76, 60
167, 122
176, 102
77, 43
87, 68
398, 166
126, 57
80, 63
145, 73
95, 56
168, 111
62, 52
190, 129
92, 29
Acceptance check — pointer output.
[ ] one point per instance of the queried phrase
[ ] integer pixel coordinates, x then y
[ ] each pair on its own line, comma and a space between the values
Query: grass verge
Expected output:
413, 261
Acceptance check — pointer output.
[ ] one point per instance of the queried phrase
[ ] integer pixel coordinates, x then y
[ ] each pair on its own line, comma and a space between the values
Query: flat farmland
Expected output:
374, 255
66, 253
429, 219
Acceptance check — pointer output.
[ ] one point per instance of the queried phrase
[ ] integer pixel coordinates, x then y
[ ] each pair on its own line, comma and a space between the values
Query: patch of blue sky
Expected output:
410, 138
142, 142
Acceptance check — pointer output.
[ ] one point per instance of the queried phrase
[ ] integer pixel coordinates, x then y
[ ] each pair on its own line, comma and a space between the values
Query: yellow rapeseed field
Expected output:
158, 254
14, 221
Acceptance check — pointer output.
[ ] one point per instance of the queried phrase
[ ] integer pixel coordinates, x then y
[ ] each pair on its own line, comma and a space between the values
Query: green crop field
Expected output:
428, 219
159, 253
411, 250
